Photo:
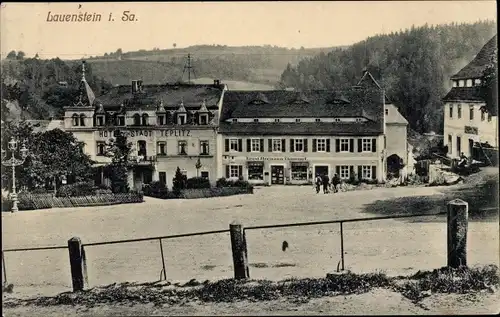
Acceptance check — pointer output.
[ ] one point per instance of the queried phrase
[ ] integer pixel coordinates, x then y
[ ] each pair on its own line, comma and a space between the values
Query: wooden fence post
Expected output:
239, 247
457, 220
77, 264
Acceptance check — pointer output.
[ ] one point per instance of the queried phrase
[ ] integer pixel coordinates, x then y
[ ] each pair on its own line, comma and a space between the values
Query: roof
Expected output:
367, 81
464, 94
476, 67
367, 103
172, 95
46, 125
393, 116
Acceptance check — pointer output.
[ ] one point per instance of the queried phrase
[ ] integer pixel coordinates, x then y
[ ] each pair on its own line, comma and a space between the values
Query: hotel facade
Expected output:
288, 137
169, 126
469, 124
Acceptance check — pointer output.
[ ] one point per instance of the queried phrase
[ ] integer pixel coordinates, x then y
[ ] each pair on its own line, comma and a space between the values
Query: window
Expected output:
321, 145
82, 120
141, 146
450, 145
100, 121
336, 120
451, 111
255, 145
366, 172
255, 171
299, 145
477, 82
145, 119
120, 120
256, 120
386, 112
459, 146
234, 170
344, 172
297, 120
233, 145
459, 111
454, 83
471, 112
489, 117
318, 120
461, 83
75, 120
344, 145
204, 150
162, 177
182, 147
203, 119
204, 174
235, 120
161, 119
299, 171
276, 120
181, 119
469, 83
277, 145
483, 115
366, 145
162, 148
101, 148
137, 119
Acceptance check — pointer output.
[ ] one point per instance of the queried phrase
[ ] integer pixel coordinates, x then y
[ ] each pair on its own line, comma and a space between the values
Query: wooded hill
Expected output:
414, 66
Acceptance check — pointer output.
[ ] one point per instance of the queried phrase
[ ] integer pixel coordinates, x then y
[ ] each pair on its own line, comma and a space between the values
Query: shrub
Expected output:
197, 182
179, 182
223, 182
353, 179
76, 189
103, 191
41, 190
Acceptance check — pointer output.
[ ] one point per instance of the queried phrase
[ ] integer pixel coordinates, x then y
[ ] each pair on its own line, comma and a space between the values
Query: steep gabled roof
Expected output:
367, 81
86, 96
476, 67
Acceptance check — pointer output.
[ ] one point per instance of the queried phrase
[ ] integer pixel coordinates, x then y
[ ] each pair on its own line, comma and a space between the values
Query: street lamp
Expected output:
13, 162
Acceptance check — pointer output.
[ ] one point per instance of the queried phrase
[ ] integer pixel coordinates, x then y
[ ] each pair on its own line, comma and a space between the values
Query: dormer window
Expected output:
235, 120
99, 120
256, 120
477, 82
359, 120
276, 120
461, 83
336, 120
181, 119
161, 119
120, 120
145, 119
203, 119
75, 119
469, 83
137, 119
318, 120
82, 120
454, 83
297, 120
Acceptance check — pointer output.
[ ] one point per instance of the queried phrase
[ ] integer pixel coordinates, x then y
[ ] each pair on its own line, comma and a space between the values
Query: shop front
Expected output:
277, 170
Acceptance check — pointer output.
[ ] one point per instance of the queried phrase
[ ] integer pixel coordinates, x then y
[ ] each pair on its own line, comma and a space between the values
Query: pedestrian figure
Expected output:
284, 246
335, 183
326, 182
318, 183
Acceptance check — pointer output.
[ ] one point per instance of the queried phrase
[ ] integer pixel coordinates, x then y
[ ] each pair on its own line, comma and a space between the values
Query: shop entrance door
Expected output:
277, 174
321, 170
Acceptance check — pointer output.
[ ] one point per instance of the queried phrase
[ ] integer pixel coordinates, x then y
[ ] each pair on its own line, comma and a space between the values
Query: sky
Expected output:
24, 26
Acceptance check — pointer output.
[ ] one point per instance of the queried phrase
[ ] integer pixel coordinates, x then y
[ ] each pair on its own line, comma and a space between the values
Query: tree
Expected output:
489, 88
175, 45
20, 55
12, 55
119, 149
179, 182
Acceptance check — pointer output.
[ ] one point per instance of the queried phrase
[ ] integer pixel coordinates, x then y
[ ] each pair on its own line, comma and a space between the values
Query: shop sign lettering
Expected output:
263, 158
146, 133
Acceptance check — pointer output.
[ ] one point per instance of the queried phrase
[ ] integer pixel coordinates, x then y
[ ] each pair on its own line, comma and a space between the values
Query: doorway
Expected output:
277, 174
321, 170
471, 148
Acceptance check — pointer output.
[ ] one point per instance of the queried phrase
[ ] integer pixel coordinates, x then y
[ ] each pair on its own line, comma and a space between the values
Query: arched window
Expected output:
141, 151
137, 119
75, 120
82, 120
145, 119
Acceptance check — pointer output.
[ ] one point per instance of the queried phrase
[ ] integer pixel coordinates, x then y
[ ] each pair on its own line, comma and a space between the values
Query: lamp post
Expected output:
13, 162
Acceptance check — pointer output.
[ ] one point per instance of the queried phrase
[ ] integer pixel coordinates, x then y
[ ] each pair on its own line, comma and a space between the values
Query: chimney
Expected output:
216, 82
135, 87
139, 85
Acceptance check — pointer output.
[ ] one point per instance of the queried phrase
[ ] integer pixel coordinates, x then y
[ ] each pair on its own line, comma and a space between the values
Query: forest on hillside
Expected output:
413, 66
41, 88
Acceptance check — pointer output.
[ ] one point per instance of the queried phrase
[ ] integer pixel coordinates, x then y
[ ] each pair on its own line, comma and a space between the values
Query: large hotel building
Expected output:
265, 137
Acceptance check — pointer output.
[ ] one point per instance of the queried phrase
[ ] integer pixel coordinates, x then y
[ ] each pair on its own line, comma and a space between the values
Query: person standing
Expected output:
318, 183
335, 183
326, 182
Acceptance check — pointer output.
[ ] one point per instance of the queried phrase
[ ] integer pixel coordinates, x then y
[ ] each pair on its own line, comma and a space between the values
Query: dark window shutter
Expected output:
374, 145
227, 171
240, 145
351, 145
305, 145
337, 170
314, 145
374, 172
240, 170
360, 172
270, 145
262, 145
227, 145
283, 145
292, 147
337, 145
360, 145
249, 145
328, 145
351, 171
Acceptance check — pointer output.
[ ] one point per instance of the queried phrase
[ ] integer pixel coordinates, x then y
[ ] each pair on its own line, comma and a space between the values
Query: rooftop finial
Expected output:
83, 70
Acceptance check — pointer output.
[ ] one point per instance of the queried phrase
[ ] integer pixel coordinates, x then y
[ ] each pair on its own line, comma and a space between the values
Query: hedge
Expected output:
200, 192
45, 201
